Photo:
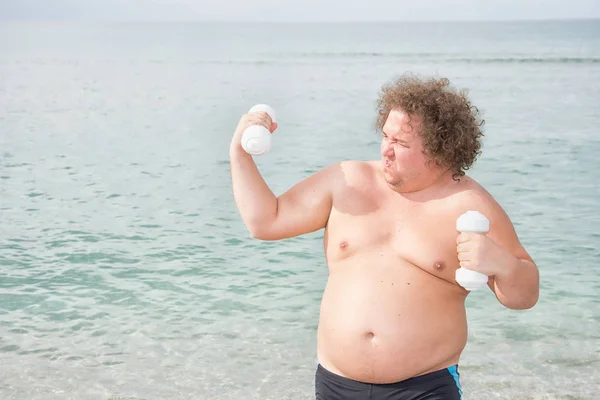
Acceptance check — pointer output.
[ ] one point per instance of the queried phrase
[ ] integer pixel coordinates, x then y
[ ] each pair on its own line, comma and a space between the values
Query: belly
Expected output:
384, 320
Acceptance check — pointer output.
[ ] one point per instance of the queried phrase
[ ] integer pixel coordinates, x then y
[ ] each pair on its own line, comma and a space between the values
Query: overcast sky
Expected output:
298, 10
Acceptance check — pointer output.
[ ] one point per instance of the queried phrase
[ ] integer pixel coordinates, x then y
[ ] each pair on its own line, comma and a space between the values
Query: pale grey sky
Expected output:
298, 10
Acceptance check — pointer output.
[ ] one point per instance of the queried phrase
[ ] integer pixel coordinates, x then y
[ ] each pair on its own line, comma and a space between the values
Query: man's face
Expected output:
405, 166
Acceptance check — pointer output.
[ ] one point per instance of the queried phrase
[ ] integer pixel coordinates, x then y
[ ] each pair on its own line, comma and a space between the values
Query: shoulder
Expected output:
474, 196
470, 195
349, 174
357, 165
349, 170
360, 169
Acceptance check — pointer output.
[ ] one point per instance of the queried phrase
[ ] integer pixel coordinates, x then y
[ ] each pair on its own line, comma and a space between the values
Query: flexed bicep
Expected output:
304, 208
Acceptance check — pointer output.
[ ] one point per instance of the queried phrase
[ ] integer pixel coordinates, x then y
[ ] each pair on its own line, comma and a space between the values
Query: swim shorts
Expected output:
438, 385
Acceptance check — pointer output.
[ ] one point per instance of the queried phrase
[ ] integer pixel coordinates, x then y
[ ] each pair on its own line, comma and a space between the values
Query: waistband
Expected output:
414, 381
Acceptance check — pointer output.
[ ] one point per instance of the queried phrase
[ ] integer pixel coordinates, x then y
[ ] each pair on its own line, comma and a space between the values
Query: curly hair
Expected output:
451, 125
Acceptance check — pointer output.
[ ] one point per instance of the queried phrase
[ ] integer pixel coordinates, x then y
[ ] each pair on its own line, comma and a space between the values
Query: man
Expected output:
392, 320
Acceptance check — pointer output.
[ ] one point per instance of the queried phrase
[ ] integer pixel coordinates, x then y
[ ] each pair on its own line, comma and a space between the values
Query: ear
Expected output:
430, 162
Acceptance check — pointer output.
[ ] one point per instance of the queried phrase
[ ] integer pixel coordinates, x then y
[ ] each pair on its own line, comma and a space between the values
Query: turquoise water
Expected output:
126, 271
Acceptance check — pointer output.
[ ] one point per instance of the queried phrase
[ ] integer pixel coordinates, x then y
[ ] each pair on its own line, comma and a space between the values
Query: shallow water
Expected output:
126, 270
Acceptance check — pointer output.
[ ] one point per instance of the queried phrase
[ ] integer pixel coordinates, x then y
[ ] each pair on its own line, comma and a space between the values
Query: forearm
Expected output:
255, 201
517, 285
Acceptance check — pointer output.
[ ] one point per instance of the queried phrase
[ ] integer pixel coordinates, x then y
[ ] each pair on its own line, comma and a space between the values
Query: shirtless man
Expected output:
392, 321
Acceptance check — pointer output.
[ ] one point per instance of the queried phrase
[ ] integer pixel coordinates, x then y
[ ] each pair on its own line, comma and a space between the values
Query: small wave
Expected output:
451, 58
285, 58
535, 60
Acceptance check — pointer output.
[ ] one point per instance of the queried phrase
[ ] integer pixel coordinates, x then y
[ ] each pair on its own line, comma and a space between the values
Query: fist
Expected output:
256, 118
478, 252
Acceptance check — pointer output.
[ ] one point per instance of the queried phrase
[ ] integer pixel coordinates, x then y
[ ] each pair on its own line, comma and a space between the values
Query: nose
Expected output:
387, 150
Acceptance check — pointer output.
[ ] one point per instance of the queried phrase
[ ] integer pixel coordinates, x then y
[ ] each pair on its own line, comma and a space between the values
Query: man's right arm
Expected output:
304, 208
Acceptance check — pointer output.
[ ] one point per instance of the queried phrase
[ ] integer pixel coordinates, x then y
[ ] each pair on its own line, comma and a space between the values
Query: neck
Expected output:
426, 189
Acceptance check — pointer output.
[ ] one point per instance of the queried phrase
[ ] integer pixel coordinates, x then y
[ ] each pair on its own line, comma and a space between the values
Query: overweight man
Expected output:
392, 320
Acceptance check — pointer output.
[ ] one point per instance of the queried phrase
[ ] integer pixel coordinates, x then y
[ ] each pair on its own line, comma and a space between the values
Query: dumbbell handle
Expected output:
256, 139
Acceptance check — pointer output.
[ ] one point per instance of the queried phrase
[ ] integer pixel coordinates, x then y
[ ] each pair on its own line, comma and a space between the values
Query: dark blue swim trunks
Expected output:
438, 385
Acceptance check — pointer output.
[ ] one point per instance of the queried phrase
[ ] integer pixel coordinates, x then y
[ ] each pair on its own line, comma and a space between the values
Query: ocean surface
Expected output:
126, 271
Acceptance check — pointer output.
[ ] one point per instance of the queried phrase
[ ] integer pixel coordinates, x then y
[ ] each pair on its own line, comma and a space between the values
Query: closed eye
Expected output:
395, 141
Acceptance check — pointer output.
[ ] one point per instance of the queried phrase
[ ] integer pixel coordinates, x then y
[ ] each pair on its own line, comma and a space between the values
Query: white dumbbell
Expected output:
473, 222
256, 139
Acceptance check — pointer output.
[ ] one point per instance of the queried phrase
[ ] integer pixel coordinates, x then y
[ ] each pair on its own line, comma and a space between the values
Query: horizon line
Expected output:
285, 21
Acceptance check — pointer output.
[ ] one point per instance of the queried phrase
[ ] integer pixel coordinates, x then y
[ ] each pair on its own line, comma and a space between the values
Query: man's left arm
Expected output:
514, 276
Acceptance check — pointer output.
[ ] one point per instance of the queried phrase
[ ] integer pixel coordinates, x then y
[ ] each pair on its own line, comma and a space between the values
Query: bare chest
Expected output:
423, 235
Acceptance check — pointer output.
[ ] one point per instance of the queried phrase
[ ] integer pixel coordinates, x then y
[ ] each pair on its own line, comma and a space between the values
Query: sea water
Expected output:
126, 271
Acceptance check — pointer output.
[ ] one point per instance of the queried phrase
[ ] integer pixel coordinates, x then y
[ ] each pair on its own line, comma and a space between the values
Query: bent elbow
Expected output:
260, 232
532, 300
530, 304
256, 233
523, 304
